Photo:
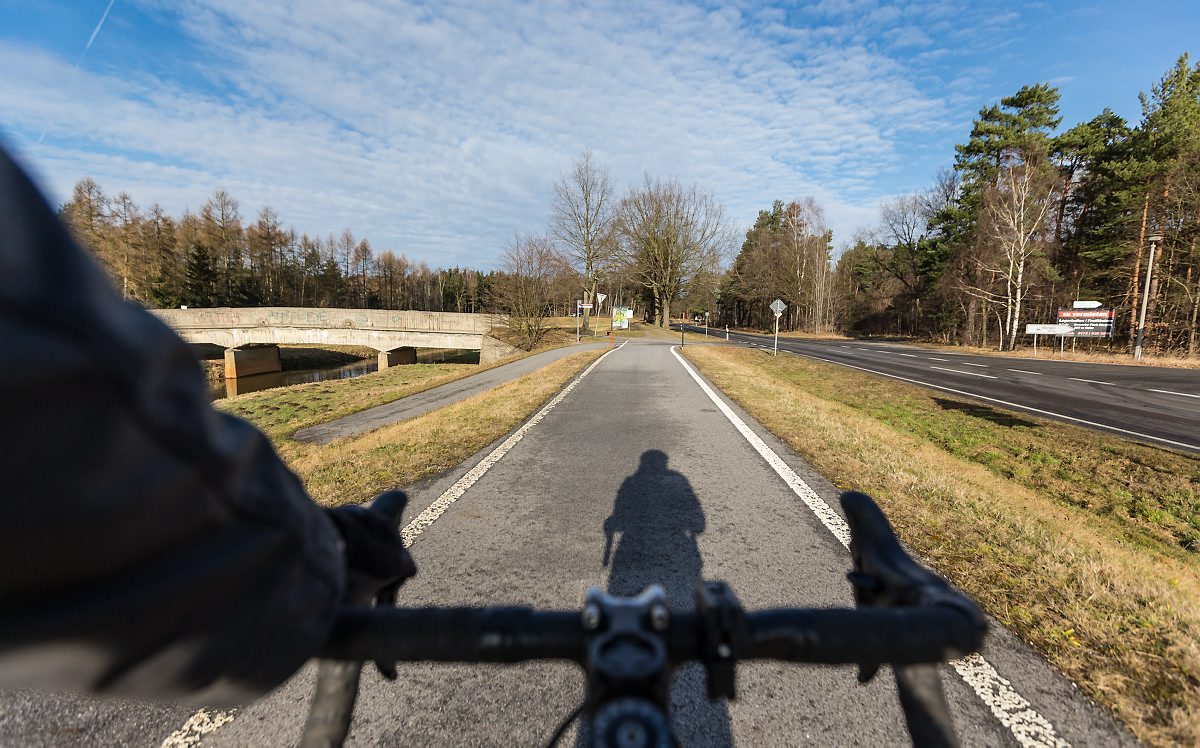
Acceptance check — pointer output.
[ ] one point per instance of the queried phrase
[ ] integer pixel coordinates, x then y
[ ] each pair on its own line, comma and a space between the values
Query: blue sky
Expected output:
437, 129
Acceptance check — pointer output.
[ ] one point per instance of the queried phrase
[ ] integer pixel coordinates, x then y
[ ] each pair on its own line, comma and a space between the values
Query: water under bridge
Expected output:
252, 335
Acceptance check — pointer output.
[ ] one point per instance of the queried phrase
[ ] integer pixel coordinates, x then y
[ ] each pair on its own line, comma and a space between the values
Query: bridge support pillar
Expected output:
492, 350
244, 362
397, 356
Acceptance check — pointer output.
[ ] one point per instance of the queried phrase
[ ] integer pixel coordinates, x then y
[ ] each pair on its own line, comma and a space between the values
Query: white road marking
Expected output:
943, 360
1023, 371
455, 492
977, 396
968, 363
968, 373
201, 723
198, 725
1029, 728
1013, 710
910, 355
1182, 394
1092, 381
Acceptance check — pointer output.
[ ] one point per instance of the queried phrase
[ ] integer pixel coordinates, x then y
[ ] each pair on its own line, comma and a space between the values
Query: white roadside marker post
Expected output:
777, 306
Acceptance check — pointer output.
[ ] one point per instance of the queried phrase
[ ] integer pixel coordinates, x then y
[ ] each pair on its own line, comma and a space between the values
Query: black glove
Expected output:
376, 559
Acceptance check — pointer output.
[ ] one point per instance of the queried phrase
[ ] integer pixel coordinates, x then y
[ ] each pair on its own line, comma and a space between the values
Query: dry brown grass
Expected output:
1120, 617
354, 469
281, 412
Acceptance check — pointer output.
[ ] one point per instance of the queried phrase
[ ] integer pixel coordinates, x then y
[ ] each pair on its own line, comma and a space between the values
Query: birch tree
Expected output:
1017, 209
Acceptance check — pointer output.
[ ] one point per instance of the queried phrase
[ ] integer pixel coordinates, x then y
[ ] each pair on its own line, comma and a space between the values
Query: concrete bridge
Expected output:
251, 336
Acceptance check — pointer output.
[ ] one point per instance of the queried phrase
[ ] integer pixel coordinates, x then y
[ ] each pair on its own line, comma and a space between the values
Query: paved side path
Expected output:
432, 399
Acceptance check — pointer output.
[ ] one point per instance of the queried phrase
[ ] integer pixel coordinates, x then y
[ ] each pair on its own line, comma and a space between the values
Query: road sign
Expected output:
1049, 330
778, 306
1088, 323
1086, 304
600, 297
585, 306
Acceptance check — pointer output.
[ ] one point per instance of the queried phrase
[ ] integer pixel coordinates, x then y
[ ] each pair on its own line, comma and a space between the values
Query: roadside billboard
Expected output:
1088, 323
621, 315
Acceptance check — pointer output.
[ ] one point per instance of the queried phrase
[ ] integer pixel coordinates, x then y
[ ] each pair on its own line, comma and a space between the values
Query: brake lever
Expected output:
885, 576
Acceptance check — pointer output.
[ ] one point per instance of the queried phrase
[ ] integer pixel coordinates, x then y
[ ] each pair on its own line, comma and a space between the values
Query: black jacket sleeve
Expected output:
149, 545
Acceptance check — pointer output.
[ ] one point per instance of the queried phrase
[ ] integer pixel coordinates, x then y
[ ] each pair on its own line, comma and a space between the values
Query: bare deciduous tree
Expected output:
1016, 211
668, 235
524, 290
582, 219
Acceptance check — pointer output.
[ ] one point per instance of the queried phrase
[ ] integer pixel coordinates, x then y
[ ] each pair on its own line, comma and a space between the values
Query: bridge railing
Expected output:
328, 319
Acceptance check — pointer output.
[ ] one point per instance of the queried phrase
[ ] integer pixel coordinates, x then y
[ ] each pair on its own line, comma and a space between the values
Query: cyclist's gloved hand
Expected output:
376, 559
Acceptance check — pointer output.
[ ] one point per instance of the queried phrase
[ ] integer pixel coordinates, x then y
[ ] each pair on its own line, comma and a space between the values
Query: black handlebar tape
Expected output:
499, 634
390, 504
332, 705
895, 636
925, 709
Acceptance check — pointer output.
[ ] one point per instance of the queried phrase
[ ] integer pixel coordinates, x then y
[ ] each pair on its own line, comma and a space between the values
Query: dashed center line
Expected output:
1023, 371
968, 363
1170, 392
968, 373
944, 360
907, 354
1092, 381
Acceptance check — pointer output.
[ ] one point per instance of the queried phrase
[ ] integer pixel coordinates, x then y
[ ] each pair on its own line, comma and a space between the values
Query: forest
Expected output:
1028, 218
1027, 221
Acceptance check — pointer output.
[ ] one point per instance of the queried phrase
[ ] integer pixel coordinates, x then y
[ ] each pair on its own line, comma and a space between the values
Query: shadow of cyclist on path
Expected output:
651, 538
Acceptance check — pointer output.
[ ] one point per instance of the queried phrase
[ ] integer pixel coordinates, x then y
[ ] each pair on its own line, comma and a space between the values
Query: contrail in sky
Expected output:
86, 47
95, 31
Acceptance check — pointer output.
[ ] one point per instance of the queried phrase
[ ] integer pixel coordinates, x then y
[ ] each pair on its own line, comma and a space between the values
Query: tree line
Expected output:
1027, 221
646, 249
215, 258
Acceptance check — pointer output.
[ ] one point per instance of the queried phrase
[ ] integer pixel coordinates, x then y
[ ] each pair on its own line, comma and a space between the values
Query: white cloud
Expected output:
438, 130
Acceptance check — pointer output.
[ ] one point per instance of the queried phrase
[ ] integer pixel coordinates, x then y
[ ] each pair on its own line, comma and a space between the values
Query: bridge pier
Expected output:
405, 354
259, 359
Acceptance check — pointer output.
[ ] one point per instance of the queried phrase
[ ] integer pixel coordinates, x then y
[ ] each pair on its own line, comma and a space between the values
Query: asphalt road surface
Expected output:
638, 448
1155, 405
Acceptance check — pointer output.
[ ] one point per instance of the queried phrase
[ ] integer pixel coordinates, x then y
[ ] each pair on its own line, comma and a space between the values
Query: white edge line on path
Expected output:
1028, 728
1169, 392
1006, 403
198, 725
202, 723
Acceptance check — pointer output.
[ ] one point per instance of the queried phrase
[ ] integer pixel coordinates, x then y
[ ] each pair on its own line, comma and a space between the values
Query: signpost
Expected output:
1088, 323
1060, 330
777, 306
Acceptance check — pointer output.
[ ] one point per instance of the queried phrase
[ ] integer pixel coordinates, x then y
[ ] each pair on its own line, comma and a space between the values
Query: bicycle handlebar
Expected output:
906, 617
518, 634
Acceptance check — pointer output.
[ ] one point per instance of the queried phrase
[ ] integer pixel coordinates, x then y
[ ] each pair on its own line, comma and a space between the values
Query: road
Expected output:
1156, 405
640, 446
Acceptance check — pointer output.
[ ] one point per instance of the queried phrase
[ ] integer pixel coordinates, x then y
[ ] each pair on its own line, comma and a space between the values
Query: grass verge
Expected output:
1081, 543
354, 469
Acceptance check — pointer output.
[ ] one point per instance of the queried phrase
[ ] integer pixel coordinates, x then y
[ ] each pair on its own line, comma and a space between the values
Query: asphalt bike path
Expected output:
638, 449
433, 398
1154, 405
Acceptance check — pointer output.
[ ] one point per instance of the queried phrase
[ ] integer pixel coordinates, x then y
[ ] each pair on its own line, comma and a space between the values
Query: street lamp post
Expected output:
1155, 240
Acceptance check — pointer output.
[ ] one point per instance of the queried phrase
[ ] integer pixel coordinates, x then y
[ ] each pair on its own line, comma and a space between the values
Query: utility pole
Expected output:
1155, 240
